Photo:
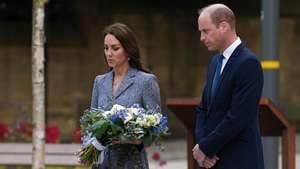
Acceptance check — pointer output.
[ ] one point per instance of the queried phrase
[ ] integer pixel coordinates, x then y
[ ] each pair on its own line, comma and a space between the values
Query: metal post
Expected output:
270, 63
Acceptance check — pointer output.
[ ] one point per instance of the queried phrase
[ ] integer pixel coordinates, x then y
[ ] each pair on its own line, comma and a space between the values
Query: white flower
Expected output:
117, 108
107, 114
156, 118
148, 120
128, 118
135, 111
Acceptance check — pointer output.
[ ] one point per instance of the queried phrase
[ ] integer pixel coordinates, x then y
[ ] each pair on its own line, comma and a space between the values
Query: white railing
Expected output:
55, 154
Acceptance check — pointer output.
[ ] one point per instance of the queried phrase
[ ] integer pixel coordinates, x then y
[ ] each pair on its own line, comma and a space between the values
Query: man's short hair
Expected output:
221, 14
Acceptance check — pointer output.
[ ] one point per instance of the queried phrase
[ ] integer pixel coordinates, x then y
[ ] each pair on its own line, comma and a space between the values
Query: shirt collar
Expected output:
228, 51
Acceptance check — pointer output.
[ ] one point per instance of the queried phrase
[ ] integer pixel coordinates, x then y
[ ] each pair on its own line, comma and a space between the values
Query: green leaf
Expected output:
123, 138
117, 127
100, 128
115, 130
119, 122
148, 139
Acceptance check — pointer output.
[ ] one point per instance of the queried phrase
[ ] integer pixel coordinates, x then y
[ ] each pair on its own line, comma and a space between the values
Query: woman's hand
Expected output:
137, 142
117, 141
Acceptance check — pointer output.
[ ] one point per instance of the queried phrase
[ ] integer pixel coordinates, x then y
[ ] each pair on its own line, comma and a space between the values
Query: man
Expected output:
227, 127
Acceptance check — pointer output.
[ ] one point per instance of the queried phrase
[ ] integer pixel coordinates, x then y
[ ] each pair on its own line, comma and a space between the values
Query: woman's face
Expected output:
114, 52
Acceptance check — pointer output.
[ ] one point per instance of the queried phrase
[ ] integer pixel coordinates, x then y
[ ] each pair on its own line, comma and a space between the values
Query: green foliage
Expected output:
100, 128
89, 155
148, 139
119, 125
88, 120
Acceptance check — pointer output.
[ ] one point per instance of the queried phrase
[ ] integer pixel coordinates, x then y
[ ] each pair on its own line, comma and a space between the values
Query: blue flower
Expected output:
156, 130
136, 106
120, 114
113, 118
163, 121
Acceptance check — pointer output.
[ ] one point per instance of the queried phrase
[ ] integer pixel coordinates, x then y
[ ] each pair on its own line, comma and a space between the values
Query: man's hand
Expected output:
201, 158
208, 163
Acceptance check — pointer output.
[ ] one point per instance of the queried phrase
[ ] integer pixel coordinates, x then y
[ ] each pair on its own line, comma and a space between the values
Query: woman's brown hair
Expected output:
128, 41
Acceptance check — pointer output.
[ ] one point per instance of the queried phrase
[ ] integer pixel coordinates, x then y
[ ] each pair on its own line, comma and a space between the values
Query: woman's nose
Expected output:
109, 52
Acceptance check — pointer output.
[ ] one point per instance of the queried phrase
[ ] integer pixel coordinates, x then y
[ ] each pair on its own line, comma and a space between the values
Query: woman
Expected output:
126, 84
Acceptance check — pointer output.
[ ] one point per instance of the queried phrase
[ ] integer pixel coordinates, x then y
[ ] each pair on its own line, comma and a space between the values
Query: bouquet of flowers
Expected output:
100, 128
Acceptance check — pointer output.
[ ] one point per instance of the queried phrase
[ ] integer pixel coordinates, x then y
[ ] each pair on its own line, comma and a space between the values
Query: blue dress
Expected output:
137, 87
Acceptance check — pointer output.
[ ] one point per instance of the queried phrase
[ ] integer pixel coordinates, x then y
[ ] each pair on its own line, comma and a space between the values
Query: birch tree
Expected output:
38, 84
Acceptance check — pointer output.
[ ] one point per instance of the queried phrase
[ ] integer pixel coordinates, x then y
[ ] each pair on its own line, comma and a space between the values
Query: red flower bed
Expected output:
4, 131
76, 136
52, 134
157, 157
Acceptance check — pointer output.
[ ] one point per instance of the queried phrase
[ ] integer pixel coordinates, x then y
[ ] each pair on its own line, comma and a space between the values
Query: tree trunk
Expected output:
38, 85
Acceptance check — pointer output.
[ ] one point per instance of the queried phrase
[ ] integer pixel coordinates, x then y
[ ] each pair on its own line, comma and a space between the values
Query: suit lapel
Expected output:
107, 84
230, 62
228, 66
211, 76
126, 82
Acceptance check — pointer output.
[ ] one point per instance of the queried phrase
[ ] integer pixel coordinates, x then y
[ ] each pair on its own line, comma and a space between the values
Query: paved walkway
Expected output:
176, 155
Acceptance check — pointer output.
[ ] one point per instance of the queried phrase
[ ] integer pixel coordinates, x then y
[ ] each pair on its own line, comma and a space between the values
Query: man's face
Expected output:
210, 35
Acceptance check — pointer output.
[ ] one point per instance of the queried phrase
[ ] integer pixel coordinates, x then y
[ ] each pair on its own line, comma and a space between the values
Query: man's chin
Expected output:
210, 48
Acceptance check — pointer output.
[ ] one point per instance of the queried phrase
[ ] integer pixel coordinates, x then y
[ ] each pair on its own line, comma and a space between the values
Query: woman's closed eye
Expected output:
114, 48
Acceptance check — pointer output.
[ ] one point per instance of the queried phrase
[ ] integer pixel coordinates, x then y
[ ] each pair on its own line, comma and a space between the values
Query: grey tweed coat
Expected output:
137, 87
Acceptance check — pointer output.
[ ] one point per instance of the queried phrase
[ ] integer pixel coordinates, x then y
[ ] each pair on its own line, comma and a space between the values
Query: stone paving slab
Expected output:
176, 155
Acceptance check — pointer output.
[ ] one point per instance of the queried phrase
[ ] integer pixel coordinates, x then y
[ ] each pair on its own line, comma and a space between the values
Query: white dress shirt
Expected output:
228, 51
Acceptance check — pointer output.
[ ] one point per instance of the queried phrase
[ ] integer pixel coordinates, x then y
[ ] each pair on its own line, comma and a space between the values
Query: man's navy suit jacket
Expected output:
227, 125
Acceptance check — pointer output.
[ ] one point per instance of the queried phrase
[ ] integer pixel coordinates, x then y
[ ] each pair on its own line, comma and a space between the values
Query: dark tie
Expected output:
217, 76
